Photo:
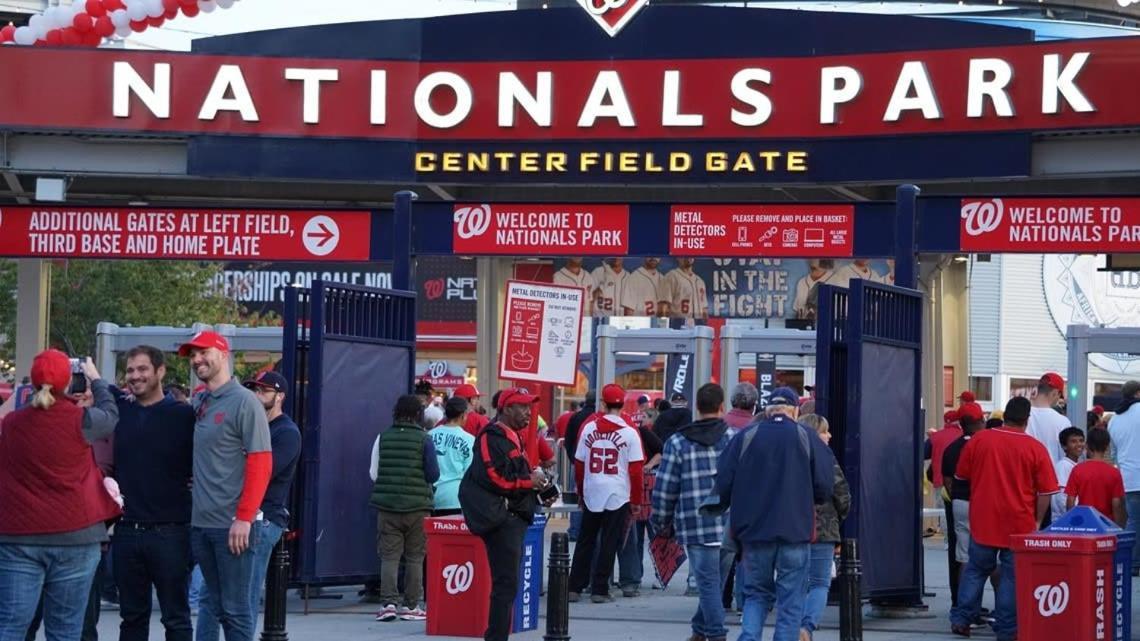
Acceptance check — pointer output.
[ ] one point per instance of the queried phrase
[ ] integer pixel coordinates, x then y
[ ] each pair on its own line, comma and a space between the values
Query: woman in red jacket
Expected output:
53, 504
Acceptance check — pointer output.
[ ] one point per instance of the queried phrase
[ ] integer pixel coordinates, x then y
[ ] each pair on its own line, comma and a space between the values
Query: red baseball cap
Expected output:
1098, 410
467, 391
1054, 380
613, 394
967, 397
516, 396
971, 412
52, 367
950, 417
204, 340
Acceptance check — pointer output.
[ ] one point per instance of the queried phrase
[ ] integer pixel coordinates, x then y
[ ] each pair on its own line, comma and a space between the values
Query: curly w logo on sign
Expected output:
457, 579
1052, 599
612, 15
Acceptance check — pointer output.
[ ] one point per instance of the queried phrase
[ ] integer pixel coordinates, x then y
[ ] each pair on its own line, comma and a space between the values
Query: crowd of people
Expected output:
163, 485
1018, 470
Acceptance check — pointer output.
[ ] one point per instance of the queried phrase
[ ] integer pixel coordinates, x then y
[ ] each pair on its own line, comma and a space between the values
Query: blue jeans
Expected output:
983, 560
774, 574
818, 583
631, 558
228, 579
63, 573
261, 545
704, 561
1132, 505
197, 585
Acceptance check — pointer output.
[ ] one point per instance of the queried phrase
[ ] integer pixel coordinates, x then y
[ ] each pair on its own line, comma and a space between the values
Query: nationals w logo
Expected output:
472, 221
612, 15
457, 578
1052, 599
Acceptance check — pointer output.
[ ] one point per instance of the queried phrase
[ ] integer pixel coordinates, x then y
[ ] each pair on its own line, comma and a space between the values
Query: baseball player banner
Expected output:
552, 230
542, 333
762, 230
1050, 225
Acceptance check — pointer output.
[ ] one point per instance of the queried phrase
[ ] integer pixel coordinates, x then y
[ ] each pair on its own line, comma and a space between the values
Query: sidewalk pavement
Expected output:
661, 616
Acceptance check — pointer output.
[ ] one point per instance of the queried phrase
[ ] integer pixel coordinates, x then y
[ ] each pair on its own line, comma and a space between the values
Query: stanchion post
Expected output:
558, 589
850, 596
276, 589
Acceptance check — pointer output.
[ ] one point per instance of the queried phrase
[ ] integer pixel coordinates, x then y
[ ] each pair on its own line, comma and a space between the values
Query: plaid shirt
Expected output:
685, 478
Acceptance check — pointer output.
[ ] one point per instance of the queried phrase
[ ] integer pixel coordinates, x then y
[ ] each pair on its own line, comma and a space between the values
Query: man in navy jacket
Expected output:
772, 474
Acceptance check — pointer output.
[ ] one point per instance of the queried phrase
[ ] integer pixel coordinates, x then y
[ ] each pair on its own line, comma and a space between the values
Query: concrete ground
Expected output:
661, 616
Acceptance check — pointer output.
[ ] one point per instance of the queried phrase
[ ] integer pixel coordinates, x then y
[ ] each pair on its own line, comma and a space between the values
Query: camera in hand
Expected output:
78, 378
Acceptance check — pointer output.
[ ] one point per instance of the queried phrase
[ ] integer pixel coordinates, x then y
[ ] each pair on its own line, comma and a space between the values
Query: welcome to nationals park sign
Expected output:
680, 95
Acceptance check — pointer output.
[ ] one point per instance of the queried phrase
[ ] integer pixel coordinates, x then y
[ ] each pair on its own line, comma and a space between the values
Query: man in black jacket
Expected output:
674, 418
500, 470
570, 443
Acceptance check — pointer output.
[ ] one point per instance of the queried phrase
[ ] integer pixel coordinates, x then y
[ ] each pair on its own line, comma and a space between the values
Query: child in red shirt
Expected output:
1096, 483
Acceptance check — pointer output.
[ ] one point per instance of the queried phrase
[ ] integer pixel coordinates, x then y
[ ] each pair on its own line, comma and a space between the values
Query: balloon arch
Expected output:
89, 23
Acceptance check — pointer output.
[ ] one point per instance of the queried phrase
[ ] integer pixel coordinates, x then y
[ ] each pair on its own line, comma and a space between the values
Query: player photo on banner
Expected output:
700, 288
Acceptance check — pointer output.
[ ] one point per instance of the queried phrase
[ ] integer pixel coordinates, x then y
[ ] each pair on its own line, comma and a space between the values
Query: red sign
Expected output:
542, 332
541, 230
1065, 84
1050, 225
762, 230
202, 234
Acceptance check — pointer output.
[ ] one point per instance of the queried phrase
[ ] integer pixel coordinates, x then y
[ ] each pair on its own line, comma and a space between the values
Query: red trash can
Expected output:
458, 579
1064, 585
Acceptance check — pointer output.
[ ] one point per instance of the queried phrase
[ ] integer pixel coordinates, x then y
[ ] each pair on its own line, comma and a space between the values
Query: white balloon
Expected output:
225, 4
51, 14
137, 12
39, 26
207, 6
154, 8
119, 18
24, 36
123, 32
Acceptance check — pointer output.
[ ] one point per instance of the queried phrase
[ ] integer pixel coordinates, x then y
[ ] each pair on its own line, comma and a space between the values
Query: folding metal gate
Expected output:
869, 386
351, 358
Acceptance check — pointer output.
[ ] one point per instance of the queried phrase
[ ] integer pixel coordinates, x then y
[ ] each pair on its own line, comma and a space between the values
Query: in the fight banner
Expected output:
1050, 225
762, 230
203, 234
552, 230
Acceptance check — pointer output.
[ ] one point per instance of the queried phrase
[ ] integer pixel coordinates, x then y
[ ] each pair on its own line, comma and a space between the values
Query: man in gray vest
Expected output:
405, 470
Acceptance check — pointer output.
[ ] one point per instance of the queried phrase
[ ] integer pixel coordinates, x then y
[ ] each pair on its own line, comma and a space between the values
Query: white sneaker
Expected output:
388, 613
412, 614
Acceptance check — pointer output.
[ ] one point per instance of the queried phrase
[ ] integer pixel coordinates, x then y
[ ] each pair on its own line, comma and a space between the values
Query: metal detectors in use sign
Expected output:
205, 234
549, 230
542, 330
1050, 225
762, 230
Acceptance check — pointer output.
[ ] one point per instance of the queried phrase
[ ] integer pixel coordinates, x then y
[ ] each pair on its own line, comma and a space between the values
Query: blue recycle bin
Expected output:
1086, 520
530, 577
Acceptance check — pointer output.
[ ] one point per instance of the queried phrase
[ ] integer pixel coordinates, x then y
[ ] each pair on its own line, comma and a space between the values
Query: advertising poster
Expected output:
548, 229
1050, 225
542, 329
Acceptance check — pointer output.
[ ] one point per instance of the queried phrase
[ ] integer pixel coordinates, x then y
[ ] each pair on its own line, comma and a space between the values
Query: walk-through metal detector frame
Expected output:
612, 341
736, 340
112, 340
1083, 340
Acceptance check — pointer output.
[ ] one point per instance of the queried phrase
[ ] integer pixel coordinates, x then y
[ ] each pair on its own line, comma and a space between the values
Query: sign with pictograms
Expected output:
1051, 225
802, 231
542, 330
541, 230
188, 234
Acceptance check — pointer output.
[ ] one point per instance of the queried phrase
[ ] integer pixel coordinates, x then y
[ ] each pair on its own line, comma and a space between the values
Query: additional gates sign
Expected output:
762, 230
541, 333
1050, 225
552, 230
190, 234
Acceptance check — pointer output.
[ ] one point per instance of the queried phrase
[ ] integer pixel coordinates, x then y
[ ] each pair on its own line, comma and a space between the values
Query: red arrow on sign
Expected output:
325, 235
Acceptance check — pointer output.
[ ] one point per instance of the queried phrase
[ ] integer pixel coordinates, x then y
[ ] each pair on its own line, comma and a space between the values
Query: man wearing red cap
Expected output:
475, 421
608, 465
497, 495
233, 462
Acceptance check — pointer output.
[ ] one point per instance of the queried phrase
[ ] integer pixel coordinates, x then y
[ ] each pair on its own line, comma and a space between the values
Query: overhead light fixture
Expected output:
961, 258
52, 190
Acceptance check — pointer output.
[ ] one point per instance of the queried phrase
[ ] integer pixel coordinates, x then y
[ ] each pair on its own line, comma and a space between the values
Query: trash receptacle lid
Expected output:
1083, 519
446, 525
1068, 543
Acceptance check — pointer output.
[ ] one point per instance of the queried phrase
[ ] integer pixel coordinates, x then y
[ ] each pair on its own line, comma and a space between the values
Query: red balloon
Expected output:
188, 3
171, 13
96, 9
169, 4
7, 33
113, 5
139, 26
156, 22
92, 39
82, 22
190, 11
71, 37
104, 28
54, 37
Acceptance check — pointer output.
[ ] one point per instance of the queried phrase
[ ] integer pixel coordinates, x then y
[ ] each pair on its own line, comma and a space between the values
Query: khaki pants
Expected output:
401, 535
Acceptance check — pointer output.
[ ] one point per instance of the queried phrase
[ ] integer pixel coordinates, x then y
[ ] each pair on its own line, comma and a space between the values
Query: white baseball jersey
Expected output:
686, 294
803, 288
606, 454
844, 275
582, 279
642, 292
610, 284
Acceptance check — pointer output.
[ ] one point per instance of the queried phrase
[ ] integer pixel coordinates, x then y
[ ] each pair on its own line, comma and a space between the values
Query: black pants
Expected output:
159, 556
951, 545
504, 554
611, 525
